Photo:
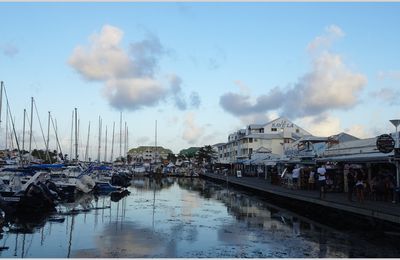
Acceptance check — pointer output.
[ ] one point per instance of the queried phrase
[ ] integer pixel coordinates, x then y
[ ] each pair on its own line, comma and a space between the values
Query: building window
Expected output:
250, 140
273, 129
297, 130
262, 130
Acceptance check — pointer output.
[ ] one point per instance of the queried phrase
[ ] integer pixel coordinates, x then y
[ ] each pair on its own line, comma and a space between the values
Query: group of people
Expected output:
381, 186
320, 178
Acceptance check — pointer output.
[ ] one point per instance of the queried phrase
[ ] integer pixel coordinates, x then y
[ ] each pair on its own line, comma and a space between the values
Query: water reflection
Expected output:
183, 217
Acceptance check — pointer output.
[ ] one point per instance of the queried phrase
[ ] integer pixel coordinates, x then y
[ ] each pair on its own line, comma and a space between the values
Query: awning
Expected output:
362, 158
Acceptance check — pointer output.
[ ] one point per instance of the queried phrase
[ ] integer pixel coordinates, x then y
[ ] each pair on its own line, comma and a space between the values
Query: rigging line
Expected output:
62, 155
36, 145
41, 129
13, 126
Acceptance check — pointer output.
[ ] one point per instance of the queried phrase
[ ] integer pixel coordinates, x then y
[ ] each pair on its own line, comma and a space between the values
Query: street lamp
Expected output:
396, 123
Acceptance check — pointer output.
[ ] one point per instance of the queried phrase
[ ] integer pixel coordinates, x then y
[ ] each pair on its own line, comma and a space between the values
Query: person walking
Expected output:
351, 182
360, 186
321, 181
311, 180
295, 177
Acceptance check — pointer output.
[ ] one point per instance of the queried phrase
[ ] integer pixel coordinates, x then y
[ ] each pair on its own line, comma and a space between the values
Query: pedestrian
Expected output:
321, 181
350, 184
311, 180
360, 186
295, 176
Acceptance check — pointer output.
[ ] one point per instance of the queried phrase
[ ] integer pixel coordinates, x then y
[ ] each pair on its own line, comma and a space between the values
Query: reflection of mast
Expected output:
23, 246
16, 244
70, 236
154, 200
42, 236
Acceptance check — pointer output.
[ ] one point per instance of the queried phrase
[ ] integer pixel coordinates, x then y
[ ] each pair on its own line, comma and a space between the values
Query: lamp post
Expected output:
396, 123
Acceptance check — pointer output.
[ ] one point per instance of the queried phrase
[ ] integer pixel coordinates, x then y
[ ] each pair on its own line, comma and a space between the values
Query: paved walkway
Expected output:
377, 209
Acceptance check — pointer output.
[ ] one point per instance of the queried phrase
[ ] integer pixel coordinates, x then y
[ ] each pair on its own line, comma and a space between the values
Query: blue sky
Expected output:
202, 70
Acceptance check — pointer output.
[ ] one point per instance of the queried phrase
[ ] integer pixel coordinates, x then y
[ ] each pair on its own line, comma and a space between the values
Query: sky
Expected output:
201, 70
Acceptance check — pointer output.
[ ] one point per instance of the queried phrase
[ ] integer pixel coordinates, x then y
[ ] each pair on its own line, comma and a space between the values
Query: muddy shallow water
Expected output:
183, 218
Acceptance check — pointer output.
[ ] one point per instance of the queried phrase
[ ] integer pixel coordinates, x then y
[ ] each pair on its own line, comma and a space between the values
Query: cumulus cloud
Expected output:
330, 85
358, 131
9, 49
179, 96
128, 75
323, 125
192, 131
387, 95
332, 33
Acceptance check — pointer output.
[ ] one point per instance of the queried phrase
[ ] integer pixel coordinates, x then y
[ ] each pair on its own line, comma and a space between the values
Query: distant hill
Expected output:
142, 149
190, 152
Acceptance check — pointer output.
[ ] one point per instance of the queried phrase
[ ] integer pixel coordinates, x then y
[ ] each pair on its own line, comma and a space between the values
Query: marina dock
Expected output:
309, 199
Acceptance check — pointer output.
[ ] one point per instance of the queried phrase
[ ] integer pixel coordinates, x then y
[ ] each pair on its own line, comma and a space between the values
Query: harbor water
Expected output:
183, 217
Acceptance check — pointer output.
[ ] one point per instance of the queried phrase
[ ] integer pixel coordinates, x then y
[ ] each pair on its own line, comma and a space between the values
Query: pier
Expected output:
336, 203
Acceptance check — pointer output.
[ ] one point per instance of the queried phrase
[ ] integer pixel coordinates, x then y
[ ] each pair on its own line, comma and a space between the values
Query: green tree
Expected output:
189, 153
171, 157
205, 154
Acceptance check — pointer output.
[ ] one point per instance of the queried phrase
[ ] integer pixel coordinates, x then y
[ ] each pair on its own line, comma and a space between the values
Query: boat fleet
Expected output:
40, 188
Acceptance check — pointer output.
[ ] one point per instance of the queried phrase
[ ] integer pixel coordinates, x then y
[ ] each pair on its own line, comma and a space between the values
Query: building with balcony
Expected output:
272, 137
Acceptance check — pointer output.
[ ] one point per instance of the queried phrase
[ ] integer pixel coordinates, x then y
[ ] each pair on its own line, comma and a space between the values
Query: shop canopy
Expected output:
359, 158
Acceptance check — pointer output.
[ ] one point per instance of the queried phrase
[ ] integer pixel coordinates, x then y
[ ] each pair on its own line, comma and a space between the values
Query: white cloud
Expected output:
128, 75
330, 85
387, 95
133, 93
192, 131
332, 33
358, 131
321, 126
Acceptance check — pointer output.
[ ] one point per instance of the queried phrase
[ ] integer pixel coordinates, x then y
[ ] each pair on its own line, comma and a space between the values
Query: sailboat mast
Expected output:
98, 152
48, 137
112, 143
23, 132
6, 125
87, 144
30, 136
120, 136
13, 127
76, 135
105, 147
125, 140
155, 139
72, 130
57, 140
1, 100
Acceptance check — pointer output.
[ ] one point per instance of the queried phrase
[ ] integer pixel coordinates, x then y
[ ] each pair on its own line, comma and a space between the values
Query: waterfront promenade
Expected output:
382, 210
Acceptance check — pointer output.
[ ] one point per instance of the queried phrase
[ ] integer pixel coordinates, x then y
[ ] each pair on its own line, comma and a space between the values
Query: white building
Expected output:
273, 137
